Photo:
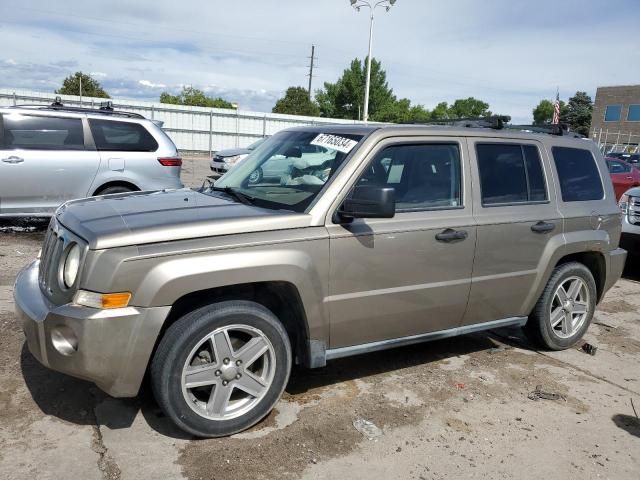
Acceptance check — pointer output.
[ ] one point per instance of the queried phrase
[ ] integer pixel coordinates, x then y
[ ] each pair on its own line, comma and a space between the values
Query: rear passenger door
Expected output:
406, 275
517, 218
43, 163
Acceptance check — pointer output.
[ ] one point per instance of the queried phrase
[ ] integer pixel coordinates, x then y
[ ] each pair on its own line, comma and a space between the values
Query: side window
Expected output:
618, 167
510, 173
33, 132
578, 174
424, 176
121, 136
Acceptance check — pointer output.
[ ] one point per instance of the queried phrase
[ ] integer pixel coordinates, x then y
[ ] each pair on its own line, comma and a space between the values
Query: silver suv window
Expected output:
33, 132
510, 174
424, 176
578, 173
116, 136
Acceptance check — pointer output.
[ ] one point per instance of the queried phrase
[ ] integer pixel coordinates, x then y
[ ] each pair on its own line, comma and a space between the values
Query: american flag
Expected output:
556, 110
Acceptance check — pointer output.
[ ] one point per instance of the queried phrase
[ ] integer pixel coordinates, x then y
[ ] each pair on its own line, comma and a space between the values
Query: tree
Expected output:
469, 108
345, 98
441, 112
90, 87
543, 113
194, 98
578, 113
401, 111
296, 101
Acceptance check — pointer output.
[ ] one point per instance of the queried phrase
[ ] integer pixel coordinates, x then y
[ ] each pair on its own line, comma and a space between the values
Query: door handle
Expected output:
629, 178
543, 227
450, 235
13, 159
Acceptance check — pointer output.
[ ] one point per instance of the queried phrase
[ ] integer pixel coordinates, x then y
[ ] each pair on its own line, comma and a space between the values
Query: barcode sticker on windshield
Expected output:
334, 142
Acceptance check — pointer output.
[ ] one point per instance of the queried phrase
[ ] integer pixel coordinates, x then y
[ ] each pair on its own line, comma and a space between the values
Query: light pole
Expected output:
358, 4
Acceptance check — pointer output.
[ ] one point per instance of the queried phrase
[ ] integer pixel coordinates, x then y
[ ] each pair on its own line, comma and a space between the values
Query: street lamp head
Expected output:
392, 2
353, 2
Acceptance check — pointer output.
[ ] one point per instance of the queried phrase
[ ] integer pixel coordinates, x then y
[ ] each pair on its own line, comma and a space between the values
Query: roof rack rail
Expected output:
106, 108
555, 129
496, 122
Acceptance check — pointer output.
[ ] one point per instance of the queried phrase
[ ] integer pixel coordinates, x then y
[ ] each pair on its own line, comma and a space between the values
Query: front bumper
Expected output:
108, 347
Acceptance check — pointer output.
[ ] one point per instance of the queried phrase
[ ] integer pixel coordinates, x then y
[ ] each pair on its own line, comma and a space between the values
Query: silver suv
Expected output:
402, 234
49, 155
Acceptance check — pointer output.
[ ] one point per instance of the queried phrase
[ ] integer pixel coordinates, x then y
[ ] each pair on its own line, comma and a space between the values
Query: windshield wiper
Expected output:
232, 192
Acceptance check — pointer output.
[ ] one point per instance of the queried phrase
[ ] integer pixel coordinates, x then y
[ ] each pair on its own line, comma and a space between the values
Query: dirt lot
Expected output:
457, 408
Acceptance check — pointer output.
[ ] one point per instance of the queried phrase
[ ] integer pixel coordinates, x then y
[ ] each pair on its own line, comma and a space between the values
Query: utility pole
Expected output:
313, 53
80, 89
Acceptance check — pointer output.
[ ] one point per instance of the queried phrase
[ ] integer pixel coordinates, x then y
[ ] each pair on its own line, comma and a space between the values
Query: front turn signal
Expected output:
102, 300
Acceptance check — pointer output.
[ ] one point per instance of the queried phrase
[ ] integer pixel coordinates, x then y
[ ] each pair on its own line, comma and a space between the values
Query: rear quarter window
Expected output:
578, 174
116, 136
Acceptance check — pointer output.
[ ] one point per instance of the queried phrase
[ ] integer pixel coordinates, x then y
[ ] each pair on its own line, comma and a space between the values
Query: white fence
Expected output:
191, 128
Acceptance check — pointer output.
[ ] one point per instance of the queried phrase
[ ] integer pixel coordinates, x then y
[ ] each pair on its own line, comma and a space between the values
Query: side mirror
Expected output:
369, 201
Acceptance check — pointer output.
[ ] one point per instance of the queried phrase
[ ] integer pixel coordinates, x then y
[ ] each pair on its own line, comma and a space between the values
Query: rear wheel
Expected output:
565, 308
256, 176
220, 369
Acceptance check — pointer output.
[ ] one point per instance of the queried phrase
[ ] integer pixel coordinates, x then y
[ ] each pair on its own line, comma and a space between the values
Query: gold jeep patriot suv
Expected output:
372, 237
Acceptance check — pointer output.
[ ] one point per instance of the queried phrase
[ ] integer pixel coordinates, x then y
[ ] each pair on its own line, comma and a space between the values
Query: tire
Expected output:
548, 311
185, 347
256, 176
115, 189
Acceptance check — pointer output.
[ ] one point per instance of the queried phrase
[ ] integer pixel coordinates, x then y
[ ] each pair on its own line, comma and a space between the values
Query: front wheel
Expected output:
221, 368
565, 308
256, 176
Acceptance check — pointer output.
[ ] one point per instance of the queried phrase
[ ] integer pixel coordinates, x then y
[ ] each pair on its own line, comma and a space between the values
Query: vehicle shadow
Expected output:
632, 269
629, 424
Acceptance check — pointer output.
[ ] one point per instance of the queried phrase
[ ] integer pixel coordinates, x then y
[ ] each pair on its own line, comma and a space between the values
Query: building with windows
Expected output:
616, 117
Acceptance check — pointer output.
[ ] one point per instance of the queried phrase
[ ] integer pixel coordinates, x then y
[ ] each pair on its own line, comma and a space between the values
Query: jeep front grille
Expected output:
49, 259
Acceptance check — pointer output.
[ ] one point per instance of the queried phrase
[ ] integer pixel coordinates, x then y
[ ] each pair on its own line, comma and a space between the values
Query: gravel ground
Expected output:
455, 408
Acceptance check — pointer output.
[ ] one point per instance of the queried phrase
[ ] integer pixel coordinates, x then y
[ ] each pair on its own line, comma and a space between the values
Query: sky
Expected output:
509, 53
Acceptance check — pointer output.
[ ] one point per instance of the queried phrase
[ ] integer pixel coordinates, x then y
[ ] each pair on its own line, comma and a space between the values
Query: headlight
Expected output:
235, 159
624, 203
71, 266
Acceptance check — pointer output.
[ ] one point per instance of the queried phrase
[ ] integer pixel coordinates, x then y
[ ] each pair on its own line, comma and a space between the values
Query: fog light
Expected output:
64, 340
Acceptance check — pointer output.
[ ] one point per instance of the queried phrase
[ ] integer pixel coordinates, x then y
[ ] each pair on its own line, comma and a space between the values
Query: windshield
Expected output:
256, 144
288, 170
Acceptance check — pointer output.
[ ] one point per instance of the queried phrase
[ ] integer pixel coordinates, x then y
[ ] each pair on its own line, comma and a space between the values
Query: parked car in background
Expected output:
403, 234
630, 205
223, 160
627, 157
51, 154
623, 175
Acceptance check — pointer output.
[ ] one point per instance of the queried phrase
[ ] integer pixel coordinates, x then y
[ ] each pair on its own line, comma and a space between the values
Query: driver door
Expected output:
404, 275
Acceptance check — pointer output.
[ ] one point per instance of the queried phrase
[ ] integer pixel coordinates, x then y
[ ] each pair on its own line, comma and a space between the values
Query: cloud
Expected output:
98, 74
147, 83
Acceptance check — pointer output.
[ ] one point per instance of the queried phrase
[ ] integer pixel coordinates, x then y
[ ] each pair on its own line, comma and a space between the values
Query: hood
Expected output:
151, 217
633, 192
232, 152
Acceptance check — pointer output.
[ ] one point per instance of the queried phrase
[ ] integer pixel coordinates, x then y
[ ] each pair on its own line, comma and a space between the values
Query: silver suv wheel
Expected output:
570, 307
221, 368
228, 372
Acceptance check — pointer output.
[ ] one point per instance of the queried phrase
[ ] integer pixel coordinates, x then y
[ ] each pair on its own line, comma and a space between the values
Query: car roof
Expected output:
73, 112
433, 130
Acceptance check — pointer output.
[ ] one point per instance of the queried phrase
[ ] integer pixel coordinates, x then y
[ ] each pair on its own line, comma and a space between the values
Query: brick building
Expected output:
616, 116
